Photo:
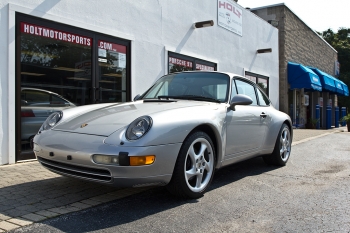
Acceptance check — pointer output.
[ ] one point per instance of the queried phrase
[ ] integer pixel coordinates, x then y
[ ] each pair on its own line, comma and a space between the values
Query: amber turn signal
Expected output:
142, 160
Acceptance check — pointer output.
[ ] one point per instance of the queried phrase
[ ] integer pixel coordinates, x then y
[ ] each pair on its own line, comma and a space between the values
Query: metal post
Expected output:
336, 117
328, 117
294, 106
318, 116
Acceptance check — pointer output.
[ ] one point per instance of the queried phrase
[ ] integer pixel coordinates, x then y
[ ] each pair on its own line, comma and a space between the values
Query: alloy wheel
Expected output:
285, 145
199, 165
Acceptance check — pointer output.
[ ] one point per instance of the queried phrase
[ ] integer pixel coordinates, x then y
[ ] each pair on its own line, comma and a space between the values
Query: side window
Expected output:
233, 89
34, 97
246, 89
56, 100
263, 100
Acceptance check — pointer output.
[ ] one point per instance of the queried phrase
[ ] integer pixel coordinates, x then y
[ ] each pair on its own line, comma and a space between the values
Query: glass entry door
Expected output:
60, 67
55, 74
111, 82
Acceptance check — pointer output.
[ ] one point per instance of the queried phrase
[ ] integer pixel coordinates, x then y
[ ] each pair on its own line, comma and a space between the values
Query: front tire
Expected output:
281, 152
194, 168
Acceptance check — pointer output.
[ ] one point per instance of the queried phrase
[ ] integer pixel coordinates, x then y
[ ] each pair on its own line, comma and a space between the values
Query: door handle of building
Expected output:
263, 115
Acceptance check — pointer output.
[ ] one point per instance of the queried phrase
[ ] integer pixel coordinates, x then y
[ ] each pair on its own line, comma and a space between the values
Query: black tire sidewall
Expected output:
178, 178
276, 152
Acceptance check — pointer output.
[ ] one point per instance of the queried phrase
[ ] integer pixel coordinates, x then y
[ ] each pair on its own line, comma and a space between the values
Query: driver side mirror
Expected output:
240, 99
137, 97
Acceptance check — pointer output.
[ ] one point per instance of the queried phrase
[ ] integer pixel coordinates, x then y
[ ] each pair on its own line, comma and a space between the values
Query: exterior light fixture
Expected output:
203, 24
264, 50
273, 22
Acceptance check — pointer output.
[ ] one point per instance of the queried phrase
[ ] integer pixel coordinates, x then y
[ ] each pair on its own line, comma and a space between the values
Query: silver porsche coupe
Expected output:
177, 134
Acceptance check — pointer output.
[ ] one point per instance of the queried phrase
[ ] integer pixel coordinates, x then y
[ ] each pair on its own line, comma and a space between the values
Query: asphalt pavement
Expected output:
30, 193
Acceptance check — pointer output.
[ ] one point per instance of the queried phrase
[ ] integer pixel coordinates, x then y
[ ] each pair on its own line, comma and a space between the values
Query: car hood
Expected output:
106, 120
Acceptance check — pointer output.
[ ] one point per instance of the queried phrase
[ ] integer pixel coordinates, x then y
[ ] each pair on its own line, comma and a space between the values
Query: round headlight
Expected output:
138, 128
51, 121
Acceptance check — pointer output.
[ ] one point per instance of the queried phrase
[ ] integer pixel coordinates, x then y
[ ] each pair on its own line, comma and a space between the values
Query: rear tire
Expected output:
194, 168
281, 152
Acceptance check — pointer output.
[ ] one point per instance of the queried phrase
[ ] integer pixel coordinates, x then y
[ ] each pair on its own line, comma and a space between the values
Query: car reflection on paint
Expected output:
36, 106
177, 134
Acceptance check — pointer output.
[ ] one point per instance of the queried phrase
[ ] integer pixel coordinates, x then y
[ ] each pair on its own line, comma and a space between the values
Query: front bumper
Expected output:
70, 154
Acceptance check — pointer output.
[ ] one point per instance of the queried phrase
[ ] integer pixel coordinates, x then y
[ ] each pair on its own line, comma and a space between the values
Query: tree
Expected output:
340, 41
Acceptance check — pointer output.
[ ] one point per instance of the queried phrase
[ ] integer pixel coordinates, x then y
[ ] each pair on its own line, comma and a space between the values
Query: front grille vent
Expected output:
76, 171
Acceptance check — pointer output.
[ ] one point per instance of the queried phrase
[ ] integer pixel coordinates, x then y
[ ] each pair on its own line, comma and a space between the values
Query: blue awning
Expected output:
328, 82
300, 76
345, 88
340, 89
331, 84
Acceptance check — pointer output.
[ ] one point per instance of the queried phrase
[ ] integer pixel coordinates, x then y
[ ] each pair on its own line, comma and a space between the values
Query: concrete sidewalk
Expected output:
30, 193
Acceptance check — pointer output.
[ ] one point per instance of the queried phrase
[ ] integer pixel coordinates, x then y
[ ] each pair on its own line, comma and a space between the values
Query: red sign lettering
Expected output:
111, 46
55, 34
180, 62
204, 67
229, 7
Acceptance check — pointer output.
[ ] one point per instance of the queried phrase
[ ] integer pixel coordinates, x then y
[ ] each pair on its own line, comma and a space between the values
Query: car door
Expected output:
247, 124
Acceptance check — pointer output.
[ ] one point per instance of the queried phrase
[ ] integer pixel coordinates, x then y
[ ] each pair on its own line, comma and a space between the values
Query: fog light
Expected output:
142, 160
106, 159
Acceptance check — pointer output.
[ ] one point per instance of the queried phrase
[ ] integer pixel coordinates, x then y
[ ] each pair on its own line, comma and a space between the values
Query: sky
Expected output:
317, 14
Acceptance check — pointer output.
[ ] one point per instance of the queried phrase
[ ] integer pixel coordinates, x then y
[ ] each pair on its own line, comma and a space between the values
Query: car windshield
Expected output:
201, 86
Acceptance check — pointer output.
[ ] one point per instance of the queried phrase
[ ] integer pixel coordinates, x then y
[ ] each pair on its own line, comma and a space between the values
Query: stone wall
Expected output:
297, 43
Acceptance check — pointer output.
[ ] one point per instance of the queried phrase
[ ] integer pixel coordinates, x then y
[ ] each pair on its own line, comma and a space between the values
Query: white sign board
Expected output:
230, 16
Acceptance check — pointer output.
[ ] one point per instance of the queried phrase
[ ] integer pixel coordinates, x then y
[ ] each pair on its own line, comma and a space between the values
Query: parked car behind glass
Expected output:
36, 106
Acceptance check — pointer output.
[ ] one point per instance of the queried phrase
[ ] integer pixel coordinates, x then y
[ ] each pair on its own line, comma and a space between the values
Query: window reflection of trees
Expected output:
52, 53
56, 66
177, 68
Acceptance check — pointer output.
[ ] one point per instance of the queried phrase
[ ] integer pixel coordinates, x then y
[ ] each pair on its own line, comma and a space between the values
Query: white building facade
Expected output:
95, 52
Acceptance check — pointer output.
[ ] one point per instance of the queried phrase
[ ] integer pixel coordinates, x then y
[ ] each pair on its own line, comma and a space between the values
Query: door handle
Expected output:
263, 115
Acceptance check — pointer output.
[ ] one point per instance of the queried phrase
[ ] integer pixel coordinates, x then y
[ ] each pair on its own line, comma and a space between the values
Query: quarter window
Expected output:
263, 100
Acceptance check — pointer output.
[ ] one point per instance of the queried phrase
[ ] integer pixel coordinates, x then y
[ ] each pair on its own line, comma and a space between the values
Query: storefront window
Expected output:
251, 78
56, 61
262, 81
112, 71
178, 65
204, 67
179, 62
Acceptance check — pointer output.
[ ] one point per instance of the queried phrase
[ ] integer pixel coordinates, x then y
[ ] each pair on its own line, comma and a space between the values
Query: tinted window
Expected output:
263, 100
246, 89
34, 97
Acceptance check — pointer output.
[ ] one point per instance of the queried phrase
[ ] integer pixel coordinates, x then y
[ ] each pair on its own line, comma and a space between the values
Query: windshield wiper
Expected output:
189, 97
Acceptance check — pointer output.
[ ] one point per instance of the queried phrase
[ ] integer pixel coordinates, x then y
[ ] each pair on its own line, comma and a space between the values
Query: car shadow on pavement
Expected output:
147, 204
235, 172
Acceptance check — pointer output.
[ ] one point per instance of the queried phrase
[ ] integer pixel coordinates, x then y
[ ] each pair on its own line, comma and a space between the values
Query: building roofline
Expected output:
283, 4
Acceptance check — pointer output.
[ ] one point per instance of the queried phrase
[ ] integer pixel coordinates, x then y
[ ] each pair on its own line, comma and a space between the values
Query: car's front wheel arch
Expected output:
214, 136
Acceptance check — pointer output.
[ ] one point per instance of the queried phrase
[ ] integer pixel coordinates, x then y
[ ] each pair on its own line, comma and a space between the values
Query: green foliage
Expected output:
340, 41
346, 118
